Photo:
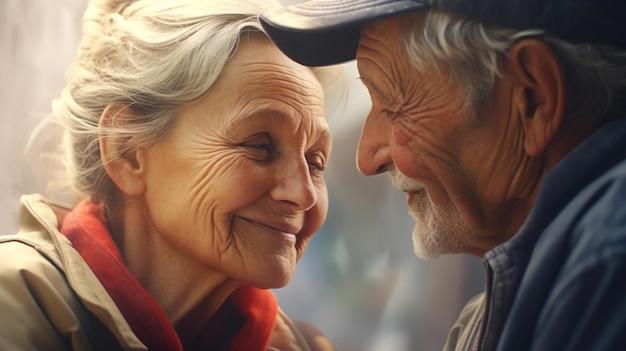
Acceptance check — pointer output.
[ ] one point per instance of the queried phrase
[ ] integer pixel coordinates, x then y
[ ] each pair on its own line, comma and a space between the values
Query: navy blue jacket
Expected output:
560, 282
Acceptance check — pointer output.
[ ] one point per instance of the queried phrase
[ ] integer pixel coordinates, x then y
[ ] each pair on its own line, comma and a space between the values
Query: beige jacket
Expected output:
51, 300
466, 334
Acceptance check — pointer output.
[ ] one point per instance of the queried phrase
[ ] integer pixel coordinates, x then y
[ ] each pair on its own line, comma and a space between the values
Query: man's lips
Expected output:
282, 227
416, 191
412, 194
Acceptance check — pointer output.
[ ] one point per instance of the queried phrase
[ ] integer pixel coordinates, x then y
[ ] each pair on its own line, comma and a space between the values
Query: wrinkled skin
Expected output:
238, 183
470, 184
233, 193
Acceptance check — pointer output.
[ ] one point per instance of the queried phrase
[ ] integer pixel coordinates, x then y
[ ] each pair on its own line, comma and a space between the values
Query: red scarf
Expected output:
243, 323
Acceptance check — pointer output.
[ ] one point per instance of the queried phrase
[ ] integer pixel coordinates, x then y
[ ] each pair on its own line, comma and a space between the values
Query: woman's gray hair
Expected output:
473, 53
153, 56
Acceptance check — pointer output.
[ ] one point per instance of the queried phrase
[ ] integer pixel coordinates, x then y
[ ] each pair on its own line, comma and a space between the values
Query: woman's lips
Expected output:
281, 227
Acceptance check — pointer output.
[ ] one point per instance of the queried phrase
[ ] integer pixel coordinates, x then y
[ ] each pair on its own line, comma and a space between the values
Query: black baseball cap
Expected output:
325, 32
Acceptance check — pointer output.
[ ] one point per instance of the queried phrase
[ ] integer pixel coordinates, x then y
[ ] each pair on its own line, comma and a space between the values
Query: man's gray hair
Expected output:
474, 53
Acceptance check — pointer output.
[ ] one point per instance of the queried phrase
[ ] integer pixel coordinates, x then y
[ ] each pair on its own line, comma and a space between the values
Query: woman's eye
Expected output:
261, 141
316, 162
262, 146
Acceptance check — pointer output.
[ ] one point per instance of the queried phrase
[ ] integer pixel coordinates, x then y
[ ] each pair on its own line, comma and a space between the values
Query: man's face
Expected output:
455, 170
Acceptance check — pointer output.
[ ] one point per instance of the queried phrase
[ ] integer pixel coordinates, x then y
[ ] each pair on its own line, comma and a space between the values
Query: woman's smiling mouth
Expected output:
274, 226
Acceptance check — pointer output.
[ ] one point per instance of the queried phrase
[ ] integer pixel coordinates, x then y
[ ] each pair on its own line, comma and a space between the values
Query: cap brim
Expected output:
322, 32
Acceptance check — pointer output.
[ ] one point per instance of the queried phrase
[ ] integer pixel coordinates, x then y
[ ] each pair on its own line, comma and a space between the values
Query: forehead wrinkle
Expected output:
379, 55
287, 77
278, 88
283, 83
380, 73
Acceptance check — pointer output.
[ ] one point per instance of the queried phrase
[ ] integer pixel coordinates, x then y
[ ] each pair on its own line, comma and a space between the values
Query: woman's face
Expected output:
237, 185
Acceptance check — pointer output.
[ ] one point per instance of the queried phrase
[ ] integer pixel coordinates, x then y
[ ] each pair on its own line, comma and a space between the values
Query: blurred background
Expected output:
359, 281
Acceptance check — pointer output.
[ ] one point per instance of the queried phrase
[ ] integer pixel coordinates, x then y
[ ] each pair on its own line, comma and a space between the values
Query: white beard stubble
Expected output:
438, 230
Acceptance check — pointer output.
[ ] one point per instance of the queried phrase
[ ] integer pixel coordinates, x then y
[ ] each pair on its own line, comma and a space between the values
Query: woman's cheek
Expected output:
316, 216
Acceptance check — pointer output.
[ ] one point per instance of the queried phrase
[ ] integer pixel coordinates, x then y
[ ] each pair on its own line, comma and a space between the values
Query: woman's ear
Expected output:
541, 101
123, 161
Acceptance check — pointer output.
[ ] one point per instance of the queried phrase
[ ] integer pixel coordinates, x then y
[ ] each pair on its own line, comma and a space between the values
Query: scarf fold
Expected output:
243, 323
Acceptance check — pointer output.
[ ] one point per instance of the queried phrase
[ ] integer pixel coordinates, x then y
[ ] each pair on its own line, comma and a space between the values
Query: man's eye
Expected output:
388, 112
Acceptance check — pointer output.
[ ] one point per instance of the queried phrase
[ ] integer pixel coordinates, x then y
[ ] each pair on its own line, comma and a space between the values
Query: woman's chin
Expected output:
272, 277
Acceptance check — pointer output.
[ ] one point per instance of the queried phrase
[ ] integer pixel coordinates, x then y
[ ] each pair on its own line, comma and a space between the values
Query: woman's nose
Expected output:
295, 186
373, 155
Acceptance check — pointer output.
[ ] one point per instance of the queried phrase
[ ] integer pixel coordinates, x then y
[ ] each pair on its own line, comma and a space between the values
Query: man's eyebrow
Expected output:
369, 83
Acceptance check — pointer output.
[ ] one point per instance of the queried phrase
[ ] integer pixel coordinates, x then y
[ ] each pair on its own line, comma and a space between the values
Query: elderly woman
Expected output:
199, 149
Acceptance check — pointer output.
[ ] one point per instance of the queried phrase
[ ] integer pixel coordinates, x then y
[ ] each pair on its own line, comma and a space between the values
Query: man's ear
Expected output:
541, 94
123, 162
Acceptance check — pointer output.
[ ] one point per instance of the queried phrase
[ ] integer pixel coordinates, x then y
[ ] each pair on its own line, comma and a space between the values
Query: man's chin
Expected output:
423, 252
425, 234
433, 243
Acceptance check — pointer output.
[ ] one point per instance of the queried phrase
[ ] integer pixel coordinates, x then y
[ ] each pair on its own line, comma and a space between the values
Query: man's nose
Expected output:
373, 155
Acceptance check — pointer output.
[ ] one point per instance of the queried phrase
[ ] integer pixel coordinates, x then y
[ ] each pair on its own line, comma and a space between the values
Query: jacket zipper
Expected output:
51, 230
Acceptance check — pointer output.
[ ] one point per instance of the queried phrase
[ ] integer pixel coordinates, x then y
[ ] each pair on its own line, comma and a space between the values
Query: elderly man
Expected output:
505, 123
